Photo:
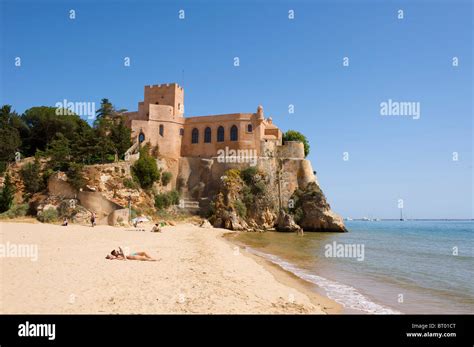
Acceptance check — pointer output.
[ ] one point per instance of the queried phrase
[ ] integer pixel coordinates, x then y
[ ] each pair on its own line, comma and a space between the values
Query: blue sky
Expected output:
282, 62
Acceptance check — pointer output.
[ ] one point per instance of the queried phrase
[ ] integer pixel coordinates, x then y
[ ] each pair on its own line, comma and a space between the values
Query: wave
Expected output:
343, 294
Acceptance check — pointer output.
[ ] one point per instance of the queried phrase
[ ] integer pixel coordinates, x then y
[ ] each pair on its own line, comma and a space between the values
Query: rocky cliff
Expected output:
244, 197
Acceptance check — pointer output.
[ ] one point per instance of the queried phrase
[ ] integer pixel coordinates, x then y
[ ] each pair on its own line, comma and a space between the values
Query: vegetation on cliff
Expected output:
246, 200
6, 194
63, 136
60, 141
293, 135
32, 177
165, 200
242, 201
144, 170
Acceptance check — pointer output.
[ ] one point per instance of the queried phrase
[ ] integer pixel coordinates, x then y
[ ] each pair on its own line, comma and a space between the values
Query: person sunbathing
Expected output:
120, 255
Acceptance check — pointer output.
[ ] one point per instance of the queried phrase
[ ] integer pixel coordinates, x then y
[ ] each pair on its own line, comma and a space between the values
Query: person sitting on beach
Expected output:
156, 228
120, 255
65, 222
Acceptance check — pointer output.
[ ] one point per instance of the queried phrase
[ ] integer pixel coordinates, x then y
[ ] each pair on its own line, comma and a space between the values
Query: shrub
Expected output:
144, 170
298, 214
165, 200
259, 188
166, 178
174, 196
3, 167
7, 194
248, 174
31, 176
248, 196
129, 183
16, 211
293, 135
162, 201
240, 208
48, 216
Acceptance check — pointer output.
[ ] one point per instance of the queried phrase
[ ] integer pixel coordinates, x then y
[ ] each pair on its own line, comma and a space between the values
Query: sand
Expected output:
197, 271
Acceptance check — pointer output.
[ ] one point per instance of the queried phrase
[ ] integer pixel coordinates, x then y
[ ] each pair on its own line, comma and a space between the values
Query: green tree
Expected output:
59, 152
106, 109
145, 170
10, 140
104, 117
32, 178
7, 194
74, 175
45, 122
293, 135
120, 136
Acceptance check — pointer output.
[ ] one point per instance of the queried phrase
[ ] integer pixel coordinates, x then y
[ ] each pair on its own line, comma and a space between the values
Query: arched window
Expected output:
207, 135
195, 136
249, 128
234, 133
162, 129
181, 131
141, 137
220, 134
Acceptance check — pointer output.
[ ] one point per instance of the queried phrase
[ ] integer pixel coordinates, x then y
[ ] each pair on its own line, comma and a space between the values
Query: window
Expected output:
181, 131
141, 137
234, 133
207, 135
220, 134
162, 129
249, 128
195, 136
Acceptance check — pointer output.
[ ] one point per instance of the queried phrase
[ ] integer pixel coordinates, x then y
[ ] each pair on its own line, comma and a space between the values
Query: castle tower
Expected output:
162, 110
165, 95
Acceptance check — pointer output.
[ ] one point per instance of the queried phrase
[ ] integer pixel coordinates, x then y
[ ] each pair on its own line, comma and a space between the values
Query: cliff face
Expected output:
246, 198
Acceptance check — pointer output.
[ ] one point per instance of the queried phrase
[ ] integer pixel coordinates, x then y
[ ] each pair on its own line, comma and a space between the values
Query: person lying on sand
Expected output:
120, 255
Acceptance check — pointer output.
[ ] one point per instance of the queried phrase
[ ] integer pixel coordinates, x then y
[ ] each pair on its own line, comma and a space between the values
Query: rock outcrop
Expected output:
286, 223
313, 213
248, 200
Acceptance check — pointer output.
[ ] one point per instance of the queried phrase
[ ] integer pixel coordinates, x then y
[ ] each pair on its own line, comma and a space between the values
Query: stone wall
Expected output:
291, 149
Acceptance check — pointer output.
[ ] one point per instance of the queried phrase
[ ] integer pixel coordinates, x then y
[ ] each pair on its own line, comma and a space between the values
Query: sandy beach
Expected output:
197, 271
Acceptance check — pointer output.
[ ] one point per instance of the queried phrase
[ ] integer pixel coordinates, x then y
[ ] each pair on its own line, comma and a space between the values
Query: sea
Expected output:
381, 267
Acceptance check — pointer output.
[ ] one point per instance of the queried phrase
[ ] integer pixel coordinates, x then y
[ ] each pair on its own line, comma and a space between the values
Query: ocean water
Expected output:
400, 267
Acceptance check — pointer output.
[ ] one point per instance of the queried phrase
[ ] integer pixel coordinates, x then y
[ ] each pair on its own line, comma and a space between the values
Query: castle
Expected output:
160, 121
190, 148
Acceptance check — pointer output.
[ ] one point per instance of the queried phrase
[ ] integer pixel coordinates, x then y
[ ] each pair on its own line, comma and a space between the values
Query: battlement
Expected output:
164, 85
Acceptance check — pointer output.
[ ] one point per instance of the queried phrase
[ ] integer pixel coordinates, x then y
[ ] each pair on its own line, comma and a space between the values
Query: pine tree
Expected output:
7, 194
